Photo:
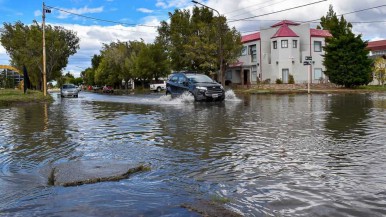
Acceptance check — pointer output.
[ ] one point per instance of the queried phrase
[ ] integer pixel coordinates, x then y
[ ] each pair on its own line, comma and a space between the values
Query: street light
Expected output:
220, 33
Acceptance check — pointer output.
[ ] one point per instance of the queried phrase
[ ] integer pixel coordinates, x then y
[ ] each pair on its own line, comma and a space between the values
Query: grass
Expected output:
14, 97
373, 87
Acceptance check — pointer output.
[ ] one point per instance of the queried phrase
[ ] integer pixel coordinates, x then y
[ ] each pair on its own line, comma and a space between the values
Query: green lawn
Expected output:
373, 87
11, 97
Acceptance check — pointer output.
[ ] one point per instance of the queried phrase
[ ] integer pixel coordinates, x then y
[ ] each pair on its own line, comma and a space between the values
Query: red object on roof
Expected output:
284, 31
320, 33
285, 22
250, 37
377, 45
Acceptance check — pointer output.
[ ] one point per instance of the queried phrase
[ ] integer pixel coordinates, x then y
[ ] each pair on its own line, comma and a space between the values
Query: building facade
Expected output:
277, 53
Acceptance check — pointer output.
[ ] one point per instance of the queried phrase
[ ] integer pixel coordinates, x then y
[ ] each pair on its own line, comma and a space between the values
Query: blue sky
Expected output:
135, 19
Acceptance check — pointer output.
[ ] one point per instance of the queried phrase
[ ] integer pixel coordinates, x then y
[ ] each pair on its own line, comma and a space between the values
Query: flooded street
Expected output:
268, 155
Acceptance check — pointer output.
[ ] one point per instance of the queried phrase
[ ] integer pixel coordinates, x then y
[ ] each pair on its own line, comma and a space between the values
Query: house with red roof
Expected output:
277, 53
377, 48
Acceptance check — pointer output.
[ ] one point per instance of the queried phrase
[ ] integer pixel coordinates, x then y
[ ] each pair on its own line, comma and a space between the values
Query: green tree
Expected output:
151, 62
380, 70
23, 44
192, 41
346, 58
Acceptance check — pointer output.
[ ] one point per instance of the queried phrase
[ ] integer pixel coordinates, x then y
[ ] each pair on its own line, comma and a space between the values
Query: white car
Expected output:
158, 86
69, 90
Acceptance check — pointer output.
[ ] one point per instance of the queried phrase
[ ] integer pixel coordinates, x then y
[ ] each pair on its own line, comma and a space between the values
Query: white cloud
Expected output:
93, 37
37, 13
84, 10
145, 10
173, 3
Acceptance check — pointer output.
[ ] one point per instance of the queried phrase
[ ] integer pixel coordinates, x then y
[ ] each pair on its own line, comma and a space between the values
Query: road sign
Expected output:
308, 57
306, 63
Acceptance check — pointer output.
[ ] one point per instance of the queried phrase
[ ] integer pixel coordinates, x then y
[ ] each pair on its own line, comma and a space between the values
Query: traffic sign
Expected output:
308, 57
306, 63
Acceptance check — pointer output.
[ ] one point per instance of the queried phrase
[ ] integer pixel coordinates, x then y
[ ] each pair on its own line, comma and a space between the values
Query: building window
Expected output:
244, 51
253, 53
318, 74
294, 43
284, 43
274, 44
317, 46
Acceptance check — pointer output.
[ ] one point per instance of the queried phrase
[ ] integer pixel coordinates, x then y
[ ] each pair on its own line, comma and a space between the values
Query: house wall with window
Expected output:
279, 51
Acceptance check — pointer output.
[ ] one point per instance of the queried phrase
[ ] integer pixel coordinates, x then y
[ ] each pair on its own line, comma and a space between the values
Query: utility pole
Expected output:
222, 77
44, 48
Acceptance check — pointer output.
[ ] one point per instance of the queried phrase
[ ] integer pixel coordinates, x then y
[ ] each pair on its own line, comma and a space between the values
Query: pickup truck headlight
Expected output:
201, 88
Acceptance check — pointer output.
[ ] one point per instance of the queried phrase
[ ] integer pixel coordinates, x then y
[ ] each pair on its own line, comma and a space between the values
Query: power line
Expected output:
366, 9
251, 6
243, 19
98, 19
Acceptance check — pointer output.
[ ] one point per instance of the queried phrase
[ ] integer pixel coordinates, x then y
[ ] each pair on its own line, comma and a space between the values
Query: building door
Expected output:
246, 75
285, 73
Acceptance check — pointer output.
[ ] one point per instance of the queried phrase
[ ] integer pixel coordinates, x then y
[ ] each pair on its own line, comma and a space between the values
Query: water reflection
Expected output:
286, 155
348, 115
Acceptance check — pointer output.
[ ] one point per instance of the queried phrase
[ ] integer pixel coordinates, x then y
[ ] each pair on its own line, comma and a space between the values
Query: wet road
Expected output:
269, 155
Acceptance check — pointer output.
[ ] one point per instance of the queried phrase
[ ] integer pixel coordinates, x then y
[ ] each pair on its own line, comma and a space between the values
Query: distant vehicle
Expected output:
157, 87
96, 87
107, 89
200, 86
69, 90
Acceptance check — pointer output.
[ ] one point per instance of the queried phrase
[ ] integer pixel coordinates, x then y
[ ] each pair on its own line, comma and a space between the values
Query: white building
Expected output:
278, 52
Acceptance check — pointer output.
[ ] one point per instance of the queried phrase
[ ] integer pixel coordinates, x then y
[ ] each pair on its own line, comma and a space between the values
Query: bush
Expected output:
291, 79
267, 81
278, 81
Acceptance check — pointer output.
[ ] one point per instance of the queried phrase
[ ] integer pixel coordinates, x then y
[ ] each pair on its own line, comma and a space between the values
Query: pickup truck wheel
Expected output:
158, 89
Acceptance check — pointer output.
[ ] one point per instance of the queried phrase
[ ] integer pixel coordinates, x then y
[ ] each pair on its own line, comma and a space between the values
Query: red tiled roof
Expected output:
285, 22
250, 37
377, 45
320, 33
284, 31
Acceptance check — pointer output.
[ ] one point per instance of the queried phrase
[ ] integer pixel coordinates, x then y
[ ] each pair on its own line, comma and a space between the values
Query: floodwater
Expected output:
268, 155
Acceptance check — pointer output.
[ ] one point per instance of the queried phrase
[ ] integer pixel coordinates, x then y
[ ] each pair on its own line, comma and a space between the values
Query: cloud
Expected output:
145, 10
173, 3
93, 37
37, 13
84, 10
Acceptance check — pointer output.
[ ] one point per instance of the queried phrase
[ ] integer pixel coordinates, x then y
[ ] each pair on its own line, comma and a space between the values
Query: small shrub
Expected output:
291, 79
267, 81
279, 81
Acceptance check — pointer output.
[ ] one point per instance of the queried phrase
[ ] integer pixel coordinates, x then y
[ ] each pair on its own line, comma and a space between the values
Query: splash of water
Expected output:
231, 96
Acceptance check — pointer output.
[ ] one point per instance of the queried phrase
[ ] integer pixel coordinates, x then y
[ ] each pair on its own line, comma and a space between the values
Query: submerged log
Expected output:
89, 172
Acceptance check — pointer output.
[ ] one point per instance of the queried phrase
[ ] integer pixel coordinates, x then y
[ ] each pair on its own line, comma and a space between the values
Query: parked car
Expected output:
202, 87
158, 86
96, 87
69, 90
107, 89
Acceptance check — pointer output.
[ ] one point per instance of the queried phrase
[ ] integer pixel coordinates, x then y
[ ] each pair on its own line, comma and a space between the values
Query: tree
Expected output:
380, 70
346, 58
151, 62
23, 44
192, 40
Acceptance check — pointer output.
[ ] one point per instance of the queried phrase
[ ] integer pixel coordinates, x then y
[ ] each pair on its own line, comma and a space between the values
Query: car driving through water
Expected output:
202, 87
69, 90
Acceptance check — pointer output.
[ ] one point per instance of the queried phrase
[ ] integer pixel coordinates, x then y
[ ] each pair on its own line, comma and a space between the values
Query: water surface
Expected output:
270, 155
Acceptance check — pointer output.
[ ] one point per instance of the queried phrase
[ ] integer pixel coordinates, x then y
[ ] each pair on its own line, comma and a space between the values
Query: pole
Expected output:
222, 77
44, 51
309, 78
